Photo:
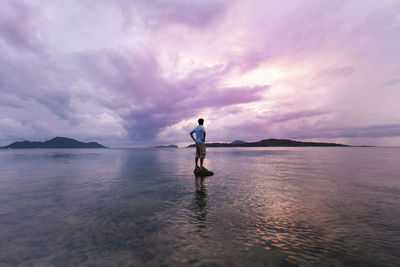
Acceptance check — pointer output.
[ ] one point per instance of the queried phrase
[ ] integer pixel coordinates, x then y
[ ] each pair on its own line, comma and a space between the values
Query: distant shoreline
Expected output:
57, 142
64, 142
274, 143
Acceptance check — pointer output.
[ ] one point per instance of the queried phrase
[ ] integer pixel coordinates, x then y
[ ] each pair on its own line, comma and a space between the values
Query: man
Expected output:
200, 140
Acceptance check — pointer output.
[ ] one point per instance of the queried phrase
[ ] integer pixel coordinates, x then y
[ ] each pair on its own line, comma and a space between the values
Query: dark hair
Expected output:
200, 121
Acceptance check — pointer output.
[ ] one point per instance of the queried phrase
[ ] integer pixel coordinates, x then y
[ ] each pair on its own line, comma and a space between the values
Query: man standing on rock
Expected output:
200, 140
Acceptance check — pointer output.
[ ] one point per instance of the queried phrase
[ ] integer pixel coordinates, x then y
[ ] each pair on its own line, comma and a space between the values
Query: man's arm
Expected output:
204, 136
191, 135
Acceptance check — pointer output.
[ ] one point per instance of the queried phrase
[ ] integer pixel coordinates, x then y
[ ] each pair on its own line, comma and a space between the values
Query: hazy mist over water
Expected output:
140, 207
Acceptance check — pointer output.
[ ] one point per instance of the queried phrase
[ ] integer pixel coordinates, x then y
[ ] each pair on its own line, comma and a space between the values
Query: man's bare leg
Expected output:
196, 161
201, 163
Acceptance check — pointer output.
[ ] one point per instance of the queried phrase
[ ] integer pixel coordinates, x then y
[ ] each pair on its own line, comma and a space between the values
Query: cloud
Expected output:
133, 71
278, 118
367, 131
147, 102
36, 79
159, 13
17, 25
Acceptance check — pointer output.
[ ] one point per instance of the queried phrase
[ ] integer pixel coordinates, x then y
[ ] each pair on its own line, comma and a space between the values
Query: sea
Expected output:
314, 206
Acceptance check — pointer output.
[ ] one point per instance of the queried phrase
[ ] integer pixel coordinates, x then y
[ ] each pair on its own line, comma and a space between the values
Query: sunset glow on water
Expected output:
141, 207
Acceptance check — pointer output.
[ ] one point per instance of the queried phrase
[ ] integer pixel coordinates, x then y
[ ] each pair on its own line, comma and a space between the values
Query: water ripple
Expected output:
263, 207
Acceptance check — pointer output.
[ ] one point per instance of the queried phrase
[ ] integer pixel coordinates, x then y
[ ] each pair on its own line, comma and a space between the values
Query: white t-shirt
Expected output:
199, 130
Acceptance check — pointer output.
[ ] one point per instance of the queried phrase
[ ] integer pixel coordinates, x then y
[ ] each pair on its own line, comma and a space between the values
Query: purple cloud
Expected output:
17, 25
278, 118
147, 102
159, 13
134, 71
368, 131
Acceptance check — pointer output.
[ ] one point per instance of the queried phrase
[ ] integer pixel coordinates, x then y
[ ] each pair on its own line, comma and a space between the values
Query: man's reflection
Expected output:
200, 200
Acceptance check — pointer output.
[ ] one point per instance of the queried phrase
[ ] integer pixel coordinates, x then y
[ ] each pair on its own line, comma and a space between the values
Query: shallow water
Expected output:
144, 207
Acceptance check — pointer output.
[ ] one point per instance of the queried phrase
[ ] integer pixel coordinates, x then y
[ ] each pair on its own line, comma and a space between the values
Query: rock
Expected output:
200, 172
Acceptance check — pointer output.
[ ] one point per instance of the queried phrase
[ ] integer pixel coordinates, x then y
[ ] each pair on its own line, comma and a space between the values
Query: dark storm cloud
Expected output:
80, 67
128, 82
147, 102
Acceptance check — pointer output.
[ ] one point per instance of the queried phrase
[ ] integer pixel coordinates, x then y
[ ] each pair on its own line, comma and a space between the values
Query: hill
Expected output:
169, 146
57, 142
273, 143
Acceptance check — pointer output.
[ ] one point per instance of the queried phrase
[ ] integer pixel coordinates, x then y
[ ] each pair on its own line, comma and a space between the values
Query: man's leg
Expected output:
202, 151
198, 154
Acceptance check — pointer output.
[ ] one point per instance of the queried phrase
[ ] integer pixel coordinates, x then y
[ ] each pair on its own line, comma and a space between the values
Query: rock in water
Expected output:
200, 172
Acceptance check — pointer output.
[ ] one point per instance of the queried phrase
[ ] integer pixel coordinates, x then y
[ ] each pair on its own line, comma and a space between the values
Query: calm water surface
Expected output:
144, 207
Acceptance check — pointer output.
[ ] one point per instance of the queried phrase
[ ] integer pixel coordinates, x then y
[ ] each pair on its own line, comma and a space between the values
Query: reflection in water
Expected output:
200, 201
138, 207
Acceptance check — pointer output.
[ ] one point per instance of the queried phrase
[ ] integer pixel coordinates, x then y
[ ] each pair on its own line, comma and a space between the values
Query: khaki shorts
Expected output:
200, 150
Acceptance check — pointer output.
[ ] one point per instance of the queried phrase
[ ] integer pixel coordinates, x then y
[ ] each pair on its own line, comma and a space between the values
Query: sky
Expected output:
139, 73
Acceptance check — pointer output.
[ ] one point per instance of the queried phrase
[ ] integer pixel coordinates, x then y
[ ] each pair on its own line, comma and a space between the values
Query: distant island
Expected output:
57, 142
272, 143
169, 146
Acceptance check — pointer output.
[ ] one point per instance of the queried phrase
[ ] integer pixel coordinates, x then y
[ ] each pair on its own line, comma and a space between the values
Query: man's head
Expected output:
200, 121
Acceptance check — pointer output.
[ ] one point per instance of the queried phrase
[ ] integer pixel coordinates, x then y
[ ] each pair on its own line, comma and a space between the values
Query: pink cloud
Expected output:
168, 61
148, 103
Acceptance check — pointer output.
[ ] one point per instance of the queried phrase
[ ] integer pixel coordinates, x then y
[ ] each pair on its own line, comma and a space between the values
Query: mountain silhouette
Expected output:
57, 142
271, 143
